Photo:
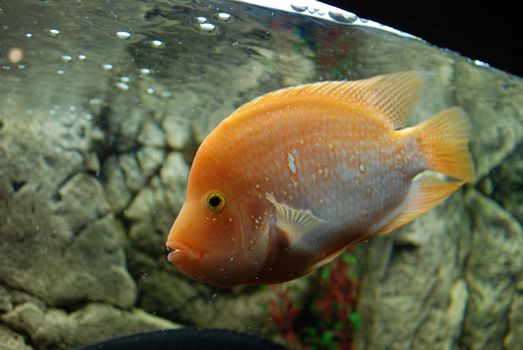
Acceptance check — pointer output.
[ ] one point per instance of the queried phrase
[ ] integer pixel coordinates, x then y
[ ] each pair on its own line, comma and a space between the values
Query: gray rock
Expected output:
10, 340
55, 329
405, 294
493, 264
493, 100
80, 189
51, 227
116, 191
506, 184
514, 337
178, 132
151, 135
134, 178
150, 160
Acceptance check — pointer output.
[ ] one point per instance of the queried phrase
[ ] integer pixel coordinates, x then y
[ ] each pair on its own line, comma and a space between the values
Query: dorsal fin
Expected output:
392, 95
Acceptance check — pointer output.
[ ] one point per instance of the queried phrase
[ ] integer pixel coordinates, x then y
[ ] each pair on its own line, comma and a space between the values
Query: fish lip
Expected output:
180, 248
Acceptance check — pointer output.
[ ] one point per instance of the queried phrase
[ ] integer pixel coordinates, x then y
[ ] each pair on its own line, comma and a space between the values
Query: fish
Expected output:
293, 178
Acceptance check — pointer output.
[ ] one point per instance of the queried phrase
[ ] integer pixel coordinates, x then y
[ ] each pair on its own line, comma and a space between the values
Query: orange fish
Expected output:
293, 178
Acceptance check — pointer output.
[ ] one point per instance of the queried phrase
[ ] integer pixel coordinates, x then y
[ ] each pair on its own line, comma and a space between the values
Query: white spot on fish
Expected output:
290, 161
257, 186
362, 167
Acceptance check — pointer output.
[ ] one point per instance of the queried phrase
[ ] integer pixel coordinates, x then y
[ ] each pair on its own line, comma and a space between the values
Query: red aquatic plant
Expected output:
326, 318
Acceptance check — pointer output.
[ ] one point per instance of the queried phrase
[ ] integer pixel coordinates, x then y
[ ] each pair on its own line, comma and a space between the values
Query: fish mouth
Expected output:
178, 249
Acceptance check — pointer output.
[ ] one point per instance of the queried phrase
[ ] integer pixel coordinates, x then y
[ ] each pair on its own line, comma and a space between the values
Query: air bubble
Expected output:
123, 35
145, 71
54, 31
156, 43
207, 27
299, 6
125, 79
150, 91
28, 35
67, 58
122, 86
201, 19
223, 16
60, 72
343, 16
82, 57
107, 66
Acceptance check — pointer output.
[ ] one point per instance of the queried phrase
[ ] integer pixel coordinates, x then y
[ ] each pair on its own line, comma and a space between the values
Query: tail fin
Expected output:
444, 139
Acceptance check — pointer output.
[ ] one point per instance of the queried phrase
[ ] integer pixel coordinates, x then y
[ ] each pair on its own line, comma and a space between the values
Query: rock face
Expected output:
97, 133
452, 278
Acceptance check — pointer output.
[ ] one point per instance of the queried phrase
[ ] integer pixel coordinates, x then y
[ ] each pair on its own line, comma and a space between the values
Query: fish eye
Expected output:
215, 201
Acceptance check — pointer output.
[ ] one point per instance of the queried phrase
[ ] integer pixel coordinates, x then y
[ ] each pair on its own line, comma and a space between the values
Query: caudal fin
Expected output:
444, 139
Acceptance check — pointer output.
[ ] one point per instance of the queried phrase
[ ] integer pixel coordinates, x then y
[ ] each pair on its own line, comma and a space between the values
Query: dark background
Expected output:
491, 32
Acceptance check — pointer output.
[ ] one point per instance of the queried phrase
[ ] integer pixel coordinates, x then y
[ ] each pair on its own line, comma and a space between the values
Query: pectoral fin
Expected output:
294, 222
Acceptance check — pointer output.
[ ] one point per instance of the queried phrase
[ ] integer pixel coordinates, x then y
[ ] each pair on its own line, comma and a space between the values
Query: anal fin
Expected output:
425, 194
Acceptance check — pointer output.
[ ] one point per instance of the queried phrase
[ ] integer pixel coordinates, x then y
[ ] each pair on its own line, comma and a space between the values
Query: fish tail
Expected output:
444, 139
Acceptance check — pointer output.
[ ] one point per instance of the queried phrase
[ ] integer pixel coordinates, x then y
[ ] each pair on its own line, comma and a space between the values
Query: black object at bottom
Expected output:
185, 339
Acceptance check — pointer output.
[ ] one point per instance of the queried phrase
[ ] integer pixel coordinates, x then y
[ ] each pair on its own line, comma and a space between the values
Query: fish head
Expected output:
216, 237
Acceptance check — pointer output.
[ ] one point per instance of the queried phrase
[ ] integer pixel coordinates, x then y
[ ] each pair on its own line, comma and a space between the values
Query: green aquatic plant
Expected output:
325, 319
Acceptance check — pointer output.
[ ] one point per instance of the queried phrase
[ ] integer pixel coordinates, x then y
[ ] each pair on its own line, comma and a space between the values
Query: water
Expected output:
103, 104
